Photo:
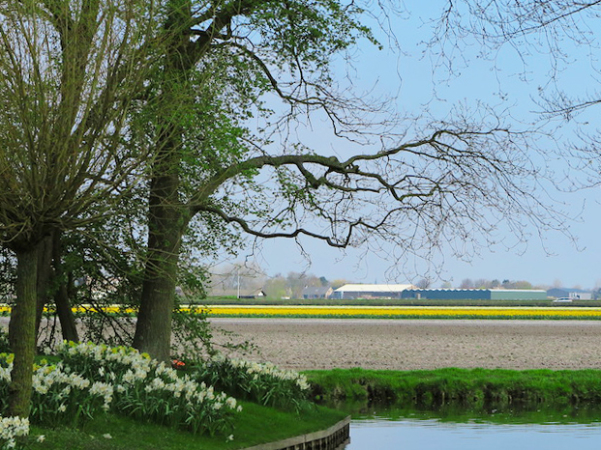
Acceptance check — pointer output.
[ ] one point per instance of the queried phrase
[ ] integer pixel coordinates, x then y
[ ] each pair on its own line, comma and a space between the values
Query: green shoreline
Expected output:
472, 390
462, 386
255, 425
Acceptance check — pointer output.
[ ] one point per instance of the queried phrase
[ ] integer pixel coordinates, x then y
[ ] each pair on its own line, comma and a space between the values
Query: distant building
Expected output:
312, 292
355, 291
475, 294
571, 293
257, 293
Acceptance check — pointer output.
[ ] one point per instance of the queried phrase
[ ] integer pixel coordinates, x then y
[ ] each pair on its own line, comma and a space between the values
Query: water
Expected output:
561, 430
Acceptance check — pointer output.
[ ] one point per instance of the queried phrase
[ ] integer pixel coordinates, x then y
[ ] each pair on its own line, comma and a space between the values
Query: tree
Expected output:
563, 32
276, 287
522, 284
230, 279
338, 283
424, 283
297, 282
467, 284
425, 183
69, 74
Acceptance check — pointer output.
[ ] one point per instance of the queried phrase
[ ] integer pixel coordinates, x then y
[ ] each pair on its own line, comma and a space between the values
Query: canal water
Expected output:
559, 429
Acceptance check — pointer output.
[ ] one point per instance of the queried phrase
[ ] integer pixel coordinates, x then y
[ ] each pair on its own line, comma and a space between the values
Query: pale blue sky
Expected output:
480, 80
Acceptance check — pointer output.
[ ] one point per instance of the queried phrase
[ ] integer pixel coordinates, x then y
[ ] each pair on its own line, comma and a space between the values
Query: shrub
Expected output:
91, 379
4, 343
261, 383
12, 428
150, 390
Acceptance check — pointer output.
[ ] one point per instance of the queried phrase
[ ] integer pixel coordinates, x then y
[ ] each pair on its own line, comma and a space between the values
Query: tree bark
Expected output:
165, 211
44, 278
23, 323
44, 274
153, 327
61, 296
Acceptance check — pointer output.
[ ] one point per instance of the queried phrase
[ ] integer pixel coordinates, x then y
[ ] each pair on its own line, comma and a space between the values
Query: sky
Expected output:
554, 259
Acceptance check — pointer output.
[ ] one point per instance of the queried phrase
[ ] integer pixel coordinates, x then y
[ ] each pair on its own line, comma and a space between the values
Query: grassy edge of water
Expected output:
467, 386
255, 425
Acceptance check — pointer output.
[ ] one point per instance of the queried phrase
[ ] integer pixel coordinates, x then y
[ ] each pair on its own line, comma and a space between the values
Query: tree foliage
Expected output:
554, 38
69, 74
193, 106
427, 184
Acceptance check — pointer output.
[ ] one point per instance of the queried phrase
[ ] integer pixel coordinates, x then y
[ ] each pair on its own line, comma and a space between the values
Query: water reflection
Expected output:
455, 428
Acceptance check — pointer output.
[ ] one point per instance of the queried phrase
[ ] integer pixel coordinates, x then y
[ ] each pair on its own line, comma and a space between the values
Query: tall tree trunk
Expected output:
61, 296
23, 323
165, 217
65, 314
44, 274
153, 327
44, 278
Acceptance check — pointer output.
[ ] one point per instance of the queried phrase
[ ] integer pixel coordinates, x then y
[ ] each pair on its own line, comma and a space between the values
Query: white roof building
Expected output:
354, 291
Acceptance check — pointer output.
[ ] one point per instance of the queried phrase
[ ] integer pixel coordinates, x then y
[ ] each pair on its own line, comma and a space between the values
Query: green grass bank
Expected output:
96, 397
464, 386
256, 425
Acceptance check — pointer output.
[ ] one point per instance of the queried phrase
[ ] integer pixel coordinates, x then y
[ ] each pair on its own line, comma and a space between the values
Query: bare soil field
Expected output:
420, 344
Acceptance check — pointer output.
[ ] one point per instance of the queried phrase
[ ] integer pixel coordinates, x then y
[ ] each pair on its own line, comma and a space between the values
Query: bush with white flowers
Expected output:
92, 378
263, 383
59, 396
12, 428
146, 389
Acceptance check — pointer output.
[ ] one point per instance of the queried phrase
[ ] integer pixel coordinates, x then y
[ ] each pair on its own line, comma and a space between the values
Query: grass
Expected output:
125, 400
256, 425
466, 386
470, 414
464, 391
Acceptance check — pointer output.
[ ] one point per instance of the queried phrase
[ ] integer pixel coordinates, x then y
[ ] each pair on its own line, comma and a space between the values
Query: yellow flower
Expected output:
408, 311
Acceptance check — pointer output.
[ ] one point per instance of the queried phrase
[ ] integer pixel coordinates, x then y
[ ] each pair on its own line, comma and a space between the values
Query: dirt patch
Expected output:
421, 344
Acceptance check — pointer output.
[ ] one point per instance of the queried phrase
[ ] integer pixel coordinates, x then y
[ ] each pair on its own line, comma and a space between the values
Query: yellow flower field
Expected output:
394, 312
407, 312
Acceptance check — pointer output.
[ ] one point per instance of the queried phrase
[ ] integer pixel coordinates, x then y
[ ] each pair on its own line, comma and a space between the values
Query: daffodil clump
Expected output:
263, 383
91, 379
60, 396
143, 388
12, 428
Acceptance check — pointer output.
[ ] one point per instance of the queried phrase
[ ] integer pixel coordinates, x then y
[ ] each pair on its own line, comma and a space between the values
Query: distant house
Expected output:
312, 292
475, 294
355, 291
571, 293
252, 294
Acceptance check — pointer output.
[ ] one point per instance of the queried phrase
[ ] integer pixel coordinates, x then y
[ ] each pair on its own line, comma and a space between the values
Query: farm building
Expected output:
354, 291
312, 292
475, 294
571, 293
